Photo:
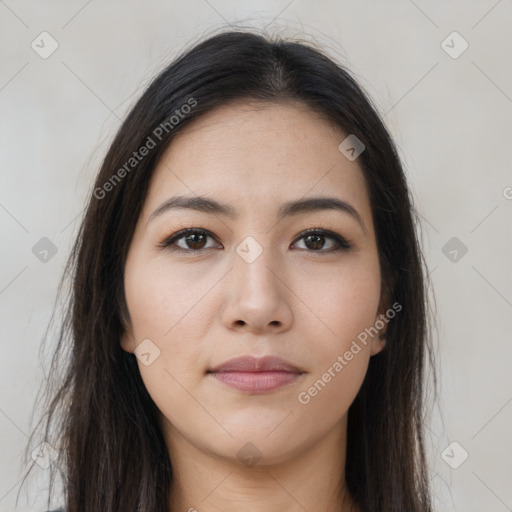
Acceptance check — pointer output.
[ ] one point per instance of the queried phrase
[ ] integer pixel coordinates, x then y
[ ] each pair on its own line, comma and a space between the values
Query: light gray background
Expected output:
451, 118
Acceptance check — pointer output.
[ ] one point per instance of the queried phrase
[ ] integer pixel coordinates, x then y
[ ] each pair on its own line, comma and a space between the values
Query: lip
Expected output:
256, 364
256, 374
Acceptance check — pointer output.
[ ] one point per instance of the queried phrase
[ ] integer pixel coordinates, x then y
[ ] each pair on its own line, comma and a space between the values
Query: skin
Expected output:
297, 301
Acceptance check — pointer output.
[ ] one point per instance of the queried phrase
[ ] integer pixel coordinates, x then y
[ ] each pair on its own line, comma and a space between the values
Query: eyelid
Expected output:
182, 233
342, 242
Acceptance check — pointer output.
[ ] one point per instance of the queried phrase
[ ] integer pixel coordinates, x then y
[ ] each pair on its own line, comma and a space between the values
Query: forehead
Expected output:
255, 153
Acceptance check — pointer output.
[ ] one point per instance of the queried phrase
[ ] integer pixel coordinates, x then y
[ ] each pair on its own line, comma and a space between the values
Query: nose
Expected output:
257, 295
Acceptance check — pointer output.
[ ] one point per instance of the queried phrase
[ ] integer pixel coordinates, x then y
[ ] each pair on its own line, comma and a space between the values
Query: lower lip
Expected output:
256, 382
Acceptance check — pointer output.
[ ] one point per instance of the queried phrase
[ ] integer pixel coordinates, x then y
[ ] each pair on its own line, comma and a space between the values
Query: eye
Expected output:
194, 240
314, 239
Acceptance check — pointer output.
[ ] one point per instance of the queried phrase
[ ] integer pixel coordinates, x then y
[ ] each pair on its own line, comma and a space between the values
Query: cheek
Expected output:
341, 304
167, 306
163, 298
326, 397
344, 308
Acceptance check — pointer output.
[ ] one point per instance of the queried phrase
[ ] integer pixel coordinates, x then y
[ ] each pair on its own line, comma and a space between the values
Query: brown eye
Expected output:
315, 240
195, 241
190, 240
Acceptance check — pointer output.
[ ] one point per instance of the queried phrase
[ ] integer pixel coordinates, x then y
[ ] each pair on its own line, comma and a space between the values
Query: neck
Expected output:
313, 480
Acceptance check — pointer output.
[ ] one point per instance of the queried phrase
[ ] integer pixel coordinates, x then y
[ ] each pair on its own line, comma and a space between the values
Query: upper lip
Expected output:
256, 364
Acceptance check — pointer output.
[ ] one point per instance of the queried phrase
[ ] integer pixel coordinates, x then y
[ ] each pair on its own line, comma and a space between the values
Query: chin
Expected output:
261, 443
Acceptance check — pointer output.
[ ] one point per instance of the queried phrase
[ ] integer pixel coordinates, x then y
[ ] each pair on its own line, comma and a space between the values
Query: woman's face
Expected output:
251, 283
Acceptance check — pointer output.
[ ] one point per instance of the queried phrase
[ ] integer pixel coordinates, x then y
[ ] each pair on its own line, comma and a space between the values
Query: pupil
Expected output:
192, 239
318, 244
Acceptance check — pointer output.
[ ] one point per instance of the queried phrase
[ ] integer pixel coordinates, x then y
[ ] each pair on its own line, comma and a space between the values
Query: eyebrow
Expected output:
212, 206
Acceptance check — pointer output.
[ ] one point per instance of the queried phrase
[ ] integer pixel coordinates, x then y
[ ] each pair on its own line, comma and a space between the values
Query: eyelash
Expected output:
343, 244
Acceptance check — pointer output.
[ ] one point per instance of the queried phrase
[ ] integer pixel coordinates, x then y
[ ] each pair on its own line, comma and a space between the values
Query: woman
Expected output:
247, 323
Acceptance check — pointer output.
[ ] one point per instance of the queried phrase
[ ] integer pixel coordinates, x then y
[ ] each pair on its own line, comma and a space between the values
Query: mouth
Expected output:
256, 375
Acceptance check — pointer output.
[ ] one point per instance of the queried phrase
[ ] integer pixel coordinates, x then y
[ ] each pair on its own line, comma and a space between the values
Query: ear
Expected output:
378, 344
128, 342
381, 321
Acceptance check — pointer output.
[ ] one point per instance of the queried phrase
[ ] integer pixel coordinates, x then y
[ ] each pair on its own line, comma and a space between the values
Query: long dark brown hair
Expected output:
99, 414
